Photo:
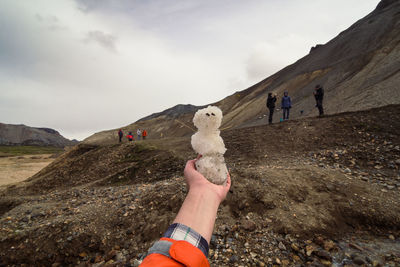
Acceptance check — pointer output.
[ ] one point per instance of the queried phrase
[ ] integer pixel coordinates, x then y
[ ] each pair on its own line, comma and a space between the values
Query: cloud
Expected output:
51, 22
266, 57
103, 39
261, 61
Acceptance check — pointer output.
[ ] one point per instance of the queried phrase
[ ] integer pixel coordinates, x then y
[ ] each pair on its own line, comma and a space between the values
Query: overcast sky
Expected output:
85, 66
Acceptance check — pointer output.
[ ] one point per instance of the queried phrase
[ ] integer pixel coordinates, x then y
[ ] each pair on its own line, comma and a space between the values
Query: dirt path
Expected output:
19, 168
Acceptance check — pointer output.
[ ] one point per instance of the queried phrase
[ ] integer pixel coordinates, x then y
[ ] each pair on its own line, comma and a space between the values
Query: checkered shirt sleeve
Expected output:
179, 231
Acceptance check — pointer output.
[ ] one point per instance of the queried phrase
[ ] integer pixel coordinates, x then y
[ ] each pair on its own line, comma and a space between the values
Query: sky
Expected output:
83, 66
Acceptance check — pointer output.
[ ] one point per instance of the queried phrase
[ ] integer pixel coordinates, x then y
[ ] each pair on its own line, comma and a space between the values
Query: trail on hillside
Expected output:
315, 191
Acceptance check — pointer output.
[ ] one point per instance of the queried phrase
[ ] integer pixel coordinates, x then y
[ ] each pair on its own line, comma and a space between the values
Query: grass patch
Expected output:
138, 152
8, 151
141, 146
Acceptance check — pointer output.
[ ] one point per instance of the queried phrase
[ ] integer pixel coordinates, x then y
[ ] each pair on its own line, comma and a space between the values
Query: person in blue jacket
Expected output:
286, 105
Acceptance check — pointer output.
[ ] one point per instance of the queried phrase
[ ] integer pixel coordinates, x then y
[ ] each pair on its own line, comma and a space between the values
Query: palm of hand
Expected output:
196, 181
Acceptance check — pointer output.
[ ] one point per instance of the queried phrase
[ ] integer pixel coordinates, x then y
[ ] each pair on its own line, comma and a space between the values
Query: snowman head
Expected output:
208, 119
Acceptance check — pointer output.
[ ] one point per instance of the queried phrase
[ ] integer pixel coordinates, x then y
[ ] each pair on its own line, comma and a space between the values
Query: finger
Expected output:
199, 156
228, 182
190, 166
190, 163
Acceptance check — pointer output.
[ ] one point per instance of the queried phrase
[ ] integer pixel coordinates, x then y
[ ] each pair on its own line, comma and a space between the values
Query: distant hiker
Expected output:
319, 97
139, 134
186, 241
120, 135
286, 105
144, 134
130, 136
271, 106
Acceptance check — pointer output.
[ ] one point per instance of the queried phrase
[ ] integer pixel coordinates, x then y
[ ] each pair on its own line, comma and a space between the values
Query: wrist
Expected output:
199, 210
207, 194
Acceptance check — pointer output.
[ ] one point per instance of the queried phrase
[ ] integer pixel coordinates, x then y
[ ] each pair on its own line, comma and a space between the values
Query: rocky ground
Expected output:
312, 192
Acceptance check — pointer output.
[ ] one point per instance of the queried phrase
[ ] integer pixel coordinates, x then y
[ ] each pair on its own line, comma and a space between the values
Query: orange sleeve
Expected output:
154, 260
182, 253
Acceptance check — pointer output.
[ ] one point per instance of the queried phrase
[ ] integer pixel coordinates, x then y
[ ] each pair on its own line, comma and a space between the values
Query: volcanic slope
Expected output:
359, 69
314, 190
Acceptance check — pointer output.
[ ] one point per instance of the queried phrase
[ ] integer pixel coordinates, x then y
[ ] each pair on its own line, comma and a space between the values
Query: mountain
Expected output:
359, 69
11, 134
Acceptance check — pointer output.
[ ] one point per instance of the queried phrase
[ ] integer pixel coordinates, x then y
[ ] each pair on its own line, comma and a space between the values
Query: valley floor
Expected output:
18, 168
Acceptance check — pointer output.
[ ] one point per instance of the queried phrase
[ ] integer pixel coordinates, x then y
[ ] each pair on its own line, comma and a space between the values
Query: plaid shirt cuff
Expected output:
179, 231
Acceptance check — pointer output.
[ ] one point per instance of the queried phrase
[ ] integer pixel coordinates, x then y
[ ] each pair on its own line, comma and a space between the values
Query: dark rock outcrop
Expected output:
174, 112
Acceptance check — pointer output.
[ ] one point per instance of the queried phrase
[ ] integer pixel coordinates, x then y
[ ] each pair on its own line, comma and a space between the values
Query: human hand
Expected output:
197, 182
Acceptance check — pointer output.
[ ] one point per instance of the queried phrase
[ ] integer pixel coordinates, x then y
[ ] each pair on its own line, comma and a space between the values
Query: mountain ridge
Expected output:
20, 134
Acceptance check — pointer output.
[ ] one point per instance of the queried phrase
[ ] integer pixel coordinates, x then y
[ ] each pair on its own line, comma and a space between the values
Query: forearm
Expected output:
199, 211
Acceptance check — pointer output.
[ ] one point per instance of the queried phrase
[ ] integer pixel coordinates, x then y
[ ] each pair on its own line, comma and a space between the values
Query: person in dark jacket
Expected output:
120, 135
319, 97
271, 106
286, 105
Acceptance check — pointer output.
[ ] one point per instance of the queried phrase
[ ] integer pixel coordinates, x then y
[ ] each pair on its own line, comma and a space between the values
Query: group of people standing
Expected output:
141, 133
286, 103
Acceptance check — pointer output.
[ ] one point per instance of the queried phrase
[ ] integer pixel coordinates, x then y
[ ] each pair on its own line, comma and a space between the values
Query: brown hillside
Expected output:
315, 190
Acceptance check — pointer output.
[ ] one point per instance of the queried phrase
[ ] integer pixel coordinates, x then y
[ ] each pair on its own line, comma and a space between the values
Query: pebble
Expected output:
309, 250
376, 263
294, 247
248, 225
358, 260
233, 259
329, 245
326, 263
323, 254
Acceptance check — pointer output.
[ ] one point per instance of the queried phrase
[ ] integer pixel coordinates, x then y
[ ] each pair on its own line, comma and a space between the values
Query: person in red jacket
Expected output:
144, 134
186, 241
129, 136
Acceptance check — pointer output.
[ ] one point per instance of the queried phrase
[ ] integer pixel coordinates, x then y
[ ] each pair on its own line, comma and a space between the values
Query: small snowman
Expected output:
208, 143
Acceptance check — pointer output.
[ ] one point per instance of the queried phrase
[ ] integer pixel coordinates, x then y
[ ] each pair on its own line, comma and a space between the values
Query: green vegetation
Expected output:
8, 151
137, 152
141, 146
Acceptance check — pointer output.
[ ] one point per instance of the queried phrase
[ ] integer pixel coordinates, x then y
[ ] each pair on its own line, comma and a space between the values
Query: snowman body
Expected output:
208, 143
